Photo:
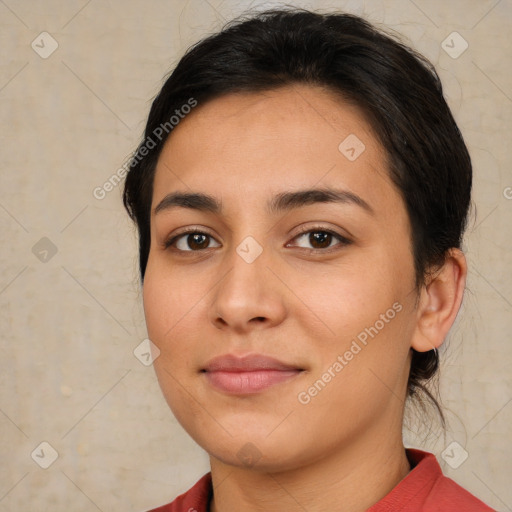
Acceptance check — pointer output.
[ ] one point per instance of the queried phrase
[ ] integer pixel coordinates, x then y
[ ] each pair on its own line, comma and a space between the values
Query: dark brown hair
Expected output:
397, 89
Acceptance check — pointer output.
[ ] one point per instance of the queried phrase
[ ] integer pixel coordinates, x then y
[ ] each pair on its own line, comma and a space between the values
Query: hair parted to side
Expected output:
397, 89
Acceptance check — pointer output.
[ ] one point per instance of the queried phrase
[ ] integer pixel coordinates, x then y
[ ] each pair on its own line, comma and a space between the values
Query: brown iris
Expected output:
320, 237
197, 241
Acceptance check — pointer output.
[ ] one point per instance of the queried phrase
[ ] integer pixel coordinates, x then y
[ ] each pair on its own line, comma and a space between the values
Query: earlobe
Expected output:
439, 303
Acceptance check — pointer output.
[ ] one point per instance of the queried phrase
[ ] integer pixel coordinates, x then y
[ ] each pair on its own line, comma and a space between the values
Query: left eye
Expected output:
321, 239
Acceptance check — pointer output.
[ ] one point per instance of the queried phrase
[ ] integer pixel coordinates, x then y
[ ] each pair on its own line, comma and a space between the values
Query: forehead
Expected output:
256, 144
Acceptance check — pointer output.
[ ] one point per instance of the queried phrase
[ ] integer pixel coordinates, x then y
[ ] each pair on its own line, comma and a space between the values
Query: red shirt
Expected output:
424, 489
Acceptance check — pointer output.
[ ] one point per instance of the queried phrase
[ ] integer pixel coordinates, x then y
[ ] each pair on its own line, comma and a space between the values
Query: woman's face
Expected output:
324, 287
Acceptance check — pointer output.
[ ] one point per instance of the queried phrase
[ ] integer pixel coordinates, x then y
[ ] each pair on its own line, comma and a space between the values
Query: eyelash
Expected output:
315, 229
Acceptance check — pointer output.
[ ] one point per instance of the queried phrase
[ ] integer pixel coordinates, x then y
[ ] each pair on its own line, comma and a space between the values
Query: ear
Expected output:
439, 302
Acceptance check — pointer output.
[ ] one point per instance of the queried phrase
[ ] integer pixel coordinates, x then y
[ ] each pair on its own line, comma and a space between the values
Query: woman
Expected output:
301, 195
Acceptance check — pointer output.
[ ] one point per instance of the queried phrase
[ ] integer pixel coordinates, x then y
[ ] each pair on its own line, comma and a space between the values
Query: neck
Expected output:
349, 480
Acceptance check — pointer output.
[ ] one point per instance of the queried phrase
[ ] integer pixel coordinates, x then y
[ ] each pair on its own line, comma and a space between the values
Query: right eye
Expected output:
190, 241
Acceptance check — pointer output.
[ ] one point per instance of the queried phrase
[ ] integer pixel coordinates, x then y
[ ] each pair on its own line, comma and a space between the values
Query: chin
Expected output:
253, 442
257, 456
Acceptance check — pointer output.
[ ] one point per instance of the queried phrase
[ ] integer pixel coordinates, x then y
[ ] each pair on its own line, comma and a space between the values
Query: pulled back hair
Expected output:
397, 89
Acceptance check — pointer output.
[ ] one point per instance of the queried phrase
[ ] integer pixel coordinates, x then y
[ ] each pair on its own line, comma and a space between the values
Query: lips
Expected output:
249, 374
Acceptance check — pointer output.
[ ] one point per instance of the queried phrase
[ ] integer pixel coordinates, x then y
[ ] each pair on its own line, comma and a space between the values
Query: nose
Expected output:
249, 296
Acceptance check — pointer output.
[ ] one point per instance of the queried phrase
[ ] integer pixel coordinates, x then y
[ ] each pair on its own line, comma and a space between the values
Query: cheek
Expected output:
366, 314
168, 309
158, 314
168, 301
174, 309
349, 297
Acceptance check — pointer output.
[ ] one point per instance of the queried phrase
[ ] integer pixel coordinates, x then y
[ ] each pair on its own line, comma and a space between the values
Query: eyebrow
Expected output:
284, 201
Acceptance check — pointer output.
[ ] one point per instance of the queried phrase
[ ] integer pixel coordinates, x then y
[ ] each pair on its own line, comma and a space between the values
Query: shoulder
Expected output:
426, 489
196, 499
448, 495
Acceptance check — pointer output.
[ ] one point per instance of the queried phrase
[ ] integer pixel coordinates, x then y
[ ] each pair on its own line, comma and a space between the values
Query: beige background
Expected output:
69, 322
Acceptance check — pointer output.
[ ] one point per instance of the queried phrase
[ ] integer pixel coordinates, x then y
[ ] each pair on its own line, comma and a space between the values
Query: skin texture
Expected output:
344, 447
